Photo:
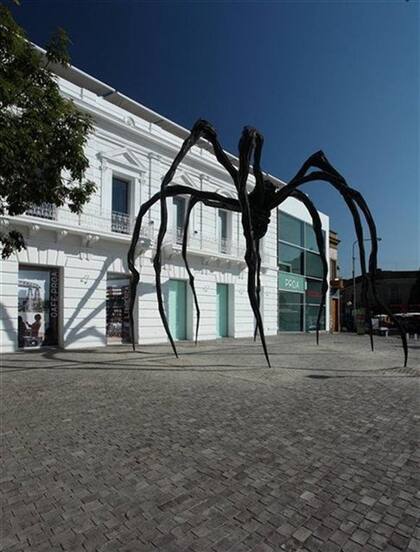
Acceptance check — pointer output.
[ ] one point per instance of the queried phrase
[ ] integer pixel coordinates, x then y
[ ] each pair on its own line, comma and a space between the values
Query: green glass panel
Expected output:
289, 229
222, 310
313, 292
290, 258
313, 265
311, 314
290, 312
177, 306
310, 238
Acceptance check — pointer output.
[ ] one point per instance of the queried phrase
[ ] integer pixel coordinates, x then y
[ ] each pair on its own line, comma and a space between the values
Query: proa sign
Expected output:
291, 282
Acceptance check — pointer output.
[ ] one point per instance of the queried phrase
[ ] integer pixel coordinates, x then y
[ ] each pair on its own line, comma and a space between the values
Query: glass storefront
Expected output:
38, 307
300, 275
290, 311
117, 309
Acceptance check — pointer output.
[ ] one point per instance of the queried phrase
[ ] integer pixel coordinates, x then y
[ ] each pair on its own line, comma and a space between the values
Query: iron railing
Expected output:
120, 222
45, 210
205, 244
91, 219
179, 234
225, 245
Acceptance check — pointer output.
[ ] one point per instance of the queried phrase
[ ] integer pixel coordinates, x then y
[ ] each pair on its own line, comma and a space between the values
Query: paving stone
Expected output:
399, 541
414, 545
302, 534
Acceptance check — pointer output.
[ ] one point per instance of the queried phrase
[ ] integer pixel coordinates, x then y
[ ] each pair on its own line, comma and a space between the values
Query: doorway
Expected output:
117, 309
177, 309
222, 310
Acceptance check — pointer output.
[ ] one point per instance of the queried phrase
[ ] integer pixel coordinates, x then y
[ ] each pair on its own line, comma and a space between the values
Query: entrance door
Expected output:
334, 315
222, 310
177, 309
38, 306
117, 309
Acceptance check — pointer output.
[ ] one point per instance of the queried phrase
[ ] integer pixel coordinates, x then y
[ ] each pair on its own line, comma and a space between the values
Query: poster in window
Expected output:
38, 307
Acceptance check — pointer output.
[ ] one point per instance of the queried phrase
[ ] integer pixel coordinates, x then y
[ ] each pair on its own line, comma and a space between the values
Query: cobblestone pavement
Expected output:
111, 450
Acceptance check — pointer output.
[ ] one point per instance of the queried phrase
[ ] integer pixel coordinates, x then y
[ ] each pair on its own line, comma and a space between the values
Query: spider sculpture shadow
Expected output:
255, 208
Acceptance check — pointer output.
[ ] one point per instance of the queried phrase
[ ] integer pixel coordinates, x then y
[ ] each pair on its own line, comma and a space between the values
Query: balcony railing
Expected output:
120, 222
179, 235
204, 244
45, 210
224, 245
121, 225
91, 219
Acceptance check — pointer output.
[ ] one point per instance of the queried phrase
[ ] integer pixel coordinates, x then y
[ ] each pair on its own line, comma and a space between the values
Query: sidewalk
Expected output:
111, 450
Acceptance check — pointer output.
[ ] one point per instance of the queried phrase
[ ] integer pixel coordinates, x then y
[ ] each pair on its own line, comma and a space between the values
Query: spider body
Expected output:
255, 209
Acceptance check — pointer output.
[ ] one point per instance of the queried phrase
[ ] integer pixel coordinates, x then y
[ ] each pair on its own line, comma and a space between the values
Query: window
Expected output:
223, 231
290, 229
120, 206
179, 217
313, 265
38, 306
333, 269
298, 253
120, 195
311, 316
290, 311
313, 291
290, 258
310, 238
394, 294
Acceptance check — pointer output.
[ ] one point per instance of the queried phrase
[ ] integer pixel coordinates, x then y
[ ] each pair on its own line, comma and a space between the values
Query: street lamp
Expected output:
354, 278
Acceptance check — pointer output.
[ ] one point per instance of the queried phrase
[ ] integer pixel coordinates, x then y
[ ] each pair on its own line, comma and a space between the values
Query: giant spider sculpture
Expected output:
255, 208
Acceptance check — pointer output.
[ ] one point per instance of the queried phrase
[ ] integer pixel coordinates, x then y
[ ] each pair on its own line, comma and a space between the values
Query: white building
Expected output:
69, 287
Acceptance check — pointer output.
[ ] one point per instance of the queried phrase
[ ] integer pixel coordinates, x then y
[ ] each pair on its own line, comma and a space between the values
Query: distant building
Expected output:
336, 284
398, 289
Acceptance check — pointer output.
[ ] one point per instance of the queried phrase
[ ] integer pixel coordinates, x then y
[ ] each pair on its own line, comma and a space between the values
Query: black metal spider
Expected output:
255, 208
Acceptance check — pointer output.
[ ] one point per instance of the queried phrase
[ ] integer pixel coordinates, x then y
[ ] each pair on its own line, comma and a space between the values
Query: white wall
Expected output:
85, 249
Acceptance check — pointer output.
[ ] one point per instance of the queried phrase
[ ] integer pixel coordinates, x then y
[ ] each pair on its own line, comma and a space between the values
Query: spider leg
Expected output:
135, 276
201, 129
352, 198
320, 161
192, 201
373, 268
170, 191
246, 146
258, 288
341, 186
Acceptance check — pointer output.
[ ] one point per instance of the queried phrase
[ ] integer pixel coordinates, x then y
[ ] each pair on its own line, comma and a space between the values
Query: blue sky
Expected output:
338, 76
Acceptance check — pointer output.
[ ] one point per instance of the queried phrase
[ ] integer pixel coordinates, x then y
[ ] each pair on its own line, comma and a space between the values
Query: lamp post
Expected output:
353, 274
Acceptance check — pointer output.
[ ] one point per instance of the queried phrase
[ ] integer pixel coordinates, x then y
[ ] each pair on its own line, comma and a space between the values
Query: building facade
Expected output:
399, 290
69, 288
336, 284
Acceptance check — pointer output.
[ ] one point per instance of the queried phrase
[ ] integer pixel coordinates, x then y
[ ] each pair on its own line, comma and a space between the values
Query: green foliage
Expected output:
42, 134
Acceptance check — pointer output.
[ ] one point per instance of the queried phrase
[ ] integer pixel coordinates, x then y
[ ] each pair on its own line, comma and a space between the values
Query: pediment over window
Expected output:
123, 157
188, 181
185, 180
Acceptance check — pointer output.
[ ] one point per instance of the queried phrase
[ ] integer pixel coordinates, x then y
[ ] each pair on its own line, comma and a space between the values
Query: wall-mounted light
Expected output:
85, 279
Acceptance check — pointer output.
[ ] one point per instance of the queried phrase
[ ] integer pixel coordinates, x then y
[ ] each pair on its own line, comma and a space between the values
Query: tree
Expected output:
42, 134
